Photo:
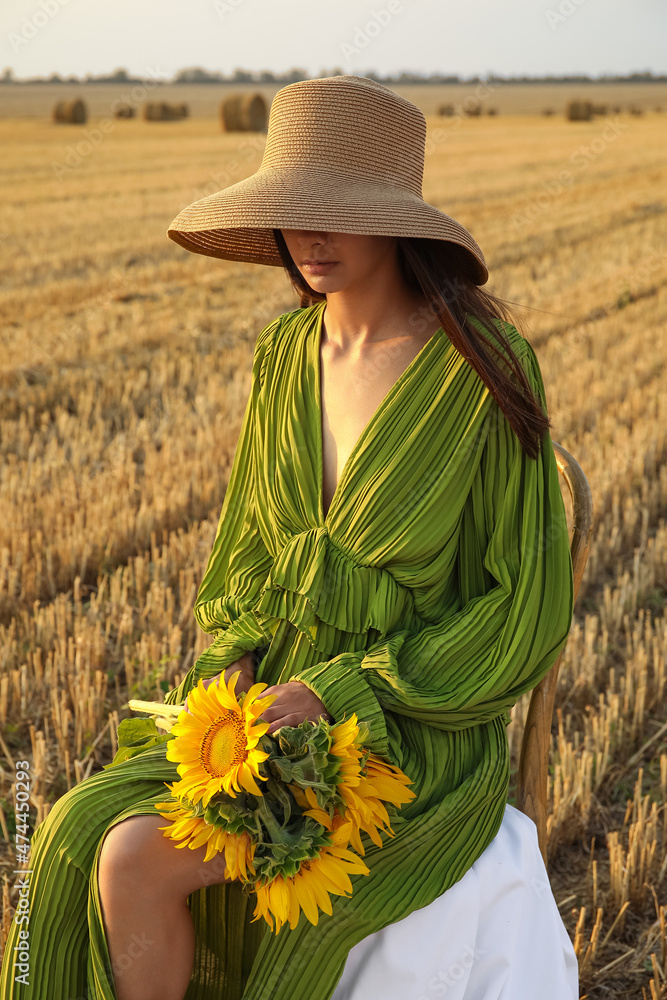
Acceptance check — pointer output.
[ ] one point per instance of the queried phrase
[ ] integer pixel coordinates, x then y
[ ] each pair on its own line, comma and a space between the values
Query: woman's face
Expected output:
344, 258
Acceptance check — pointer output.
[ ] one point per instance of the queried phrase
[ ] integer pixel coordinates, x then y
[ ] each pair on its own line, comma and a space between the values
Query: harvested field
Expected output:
125, 369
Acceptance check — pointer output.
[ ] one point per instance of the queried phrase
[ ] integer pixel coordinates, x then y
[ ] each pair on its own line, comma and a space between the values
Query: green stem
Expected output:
269, 820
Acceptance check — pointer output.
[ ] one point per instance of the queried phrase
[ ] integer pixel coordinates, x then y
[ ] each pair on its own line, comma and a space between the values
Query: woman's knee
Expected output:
132, 850
135, 853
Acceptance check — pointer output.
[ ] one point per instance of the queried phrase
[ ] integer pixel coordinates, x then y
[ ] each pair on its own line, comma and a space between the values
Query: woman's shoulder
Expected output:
518, 343
284, 323
281, 328
523, 350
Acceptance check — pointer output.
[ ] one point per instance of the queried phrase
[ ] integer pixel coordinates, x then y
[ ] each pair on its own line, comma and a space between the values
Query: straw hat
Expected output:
343, 154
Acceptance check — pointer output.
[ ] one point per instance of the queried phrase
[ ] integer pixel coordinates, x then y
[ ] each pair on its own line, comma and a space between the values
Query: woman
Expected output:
393, 543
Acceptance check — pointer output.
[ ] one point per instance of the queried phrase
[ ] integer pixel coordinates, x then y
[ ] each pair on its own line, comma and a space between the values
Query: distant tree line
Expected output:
198, 75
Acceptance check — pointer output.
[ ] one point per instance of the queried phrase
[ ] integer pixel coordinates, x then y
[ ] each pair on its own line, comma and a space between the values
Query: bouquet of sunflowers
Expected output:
286, 810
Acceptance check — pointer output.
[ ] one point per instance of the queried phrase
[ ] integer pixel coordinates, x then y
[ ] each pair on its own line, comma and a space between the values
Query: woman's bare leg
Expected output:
144, 882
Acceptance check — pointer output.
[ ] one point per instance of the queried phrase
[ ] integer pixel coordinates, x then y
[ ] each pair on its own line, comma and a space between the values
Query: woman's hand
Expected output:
294, 703
244, 681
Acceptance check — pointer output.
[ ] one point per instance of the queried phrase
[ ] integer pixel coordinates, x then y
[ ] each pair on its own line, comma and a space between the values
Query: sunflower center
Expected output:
223, 744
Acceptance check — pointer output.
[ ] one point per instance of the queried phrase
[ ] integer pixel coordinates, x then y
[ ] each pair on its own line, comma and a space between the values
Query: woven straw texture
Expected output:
343, 154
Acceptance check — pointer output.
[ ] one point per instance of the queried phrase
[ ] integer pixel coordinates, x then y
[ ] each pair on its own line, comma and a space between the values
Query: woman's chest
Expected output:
368, 448
353, 386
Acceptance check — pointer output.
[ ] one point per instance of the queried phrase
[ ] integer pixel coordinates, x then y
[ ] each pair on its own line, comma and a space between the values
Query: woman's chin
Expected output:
323, 283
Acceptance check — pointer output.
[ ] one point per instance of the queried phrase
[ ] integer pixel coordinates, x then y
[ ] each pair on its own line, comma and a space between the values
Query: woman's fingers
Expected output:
294, 719
287, 720
289, 697
294, 703
276, 689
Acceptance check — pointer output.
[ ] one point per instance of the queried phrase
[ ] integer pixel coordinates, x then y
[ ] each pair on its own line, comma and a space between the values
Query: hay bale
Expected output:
124, 111
579, 111
446, 109
492, 111
472, 112
243, 112
162, 111
634, 110
72, 112
548, 111
599, 109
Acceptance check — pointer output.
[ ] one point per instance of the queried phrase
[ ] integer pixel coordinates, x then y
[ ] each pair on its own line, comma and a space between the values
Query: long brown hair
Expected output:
438, 270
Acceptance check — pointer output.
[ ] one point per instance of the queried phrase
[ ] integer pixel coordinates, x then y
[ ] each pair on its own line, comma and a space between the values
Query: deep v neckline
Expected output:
315, 347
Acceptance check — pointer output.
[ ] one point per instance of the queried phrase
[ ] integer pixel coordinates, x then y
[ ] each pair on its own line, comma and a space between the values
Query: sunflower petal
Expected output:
320, 815
293, 910
247, 780
306, 898
353, 863
278, 898
231, 851
201, 837
253, 693
321, 895
262, 908
241, 855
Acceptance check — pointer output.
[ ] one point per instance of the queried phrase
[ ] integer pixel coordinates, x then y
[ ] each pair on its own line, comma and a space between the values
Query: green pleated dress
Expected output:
436, 590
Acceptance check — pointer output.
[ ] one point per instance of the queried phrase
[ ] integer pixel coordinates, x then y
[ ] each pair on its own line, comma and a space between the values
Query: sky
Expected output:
475, 37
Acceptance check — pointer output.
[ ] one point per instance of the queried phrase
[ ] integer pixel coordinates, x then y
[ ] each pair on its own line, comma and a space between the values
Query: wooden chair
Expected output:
531, 793
534, 755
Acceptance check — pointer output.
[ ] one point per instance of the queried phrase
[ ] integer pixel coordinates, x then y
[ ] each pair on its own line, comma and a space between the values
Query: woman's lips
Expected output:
320, 268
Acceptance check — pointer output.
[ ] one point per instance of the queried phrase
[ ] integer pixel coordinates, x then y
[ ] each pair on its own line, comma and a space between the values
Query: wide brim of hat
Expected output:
236, 223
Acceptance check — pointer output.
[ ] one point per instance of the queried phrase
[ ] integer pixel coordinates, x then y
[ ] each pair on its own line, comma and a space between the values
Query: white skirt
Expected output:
496, 934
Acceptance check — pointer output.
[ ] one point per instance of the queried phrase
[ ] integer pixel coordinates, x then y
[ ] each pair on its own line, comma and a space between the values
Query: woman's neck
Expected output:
356, 317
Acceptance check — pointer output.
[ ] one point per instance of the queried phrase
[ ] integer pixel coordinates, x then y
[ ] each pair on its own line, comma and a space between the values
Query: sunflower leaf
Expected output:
135, 736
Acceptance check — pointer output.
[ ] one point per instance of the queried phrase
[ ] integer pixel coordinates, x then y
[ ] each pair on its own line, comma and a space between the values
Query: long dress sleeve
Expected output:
516, 589
239, 561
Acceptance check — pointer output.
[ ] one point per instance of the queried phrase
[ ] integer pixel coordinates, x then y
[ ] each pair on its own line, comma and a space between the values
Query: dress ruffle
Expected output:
336, 602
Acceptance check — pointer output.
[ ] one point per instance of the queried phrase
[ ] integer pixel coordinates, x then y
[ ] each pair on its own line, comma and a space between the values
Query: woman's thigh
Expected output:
135, 853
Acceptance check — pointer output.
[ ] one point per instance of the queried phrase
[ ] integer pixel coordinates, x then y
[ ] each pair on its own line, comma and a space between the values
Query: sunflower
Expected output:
364, 800
215, 742
363, 787
193, 831
328, 872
